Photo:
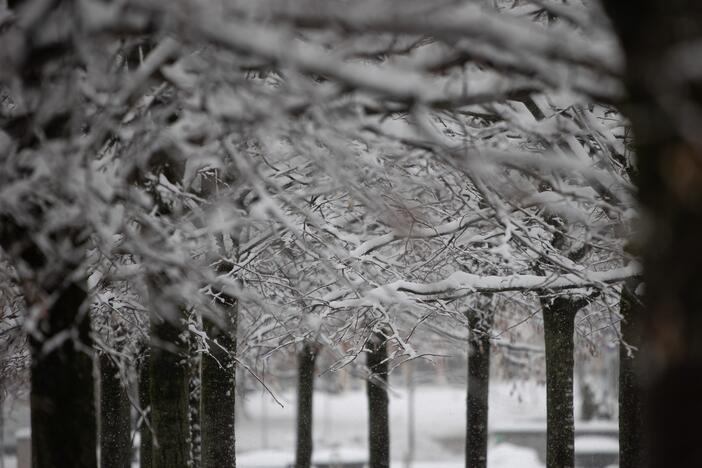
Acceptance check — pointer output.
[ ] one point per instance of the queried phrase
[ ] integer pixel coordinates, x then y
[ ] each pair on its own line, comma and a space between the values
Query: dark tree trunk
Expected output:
62, 389
630, 397
378, 418
305, 390
661, 42
194, 399
169, 395
218, 392
115, 420
478, 390
45, 243
559, 326
146, 440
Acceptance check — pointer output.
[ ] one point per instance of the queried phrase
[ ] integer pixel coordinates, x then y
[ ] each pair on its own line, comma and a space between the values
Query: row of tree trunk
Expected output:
165, 401
58, 398
377, 360
559, 327
164, 395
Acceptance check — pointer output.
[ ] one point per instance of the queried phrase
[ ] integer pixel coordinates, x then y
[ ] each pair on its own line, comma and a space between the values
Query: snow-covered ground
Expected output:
341, 419
501, 456
266, 431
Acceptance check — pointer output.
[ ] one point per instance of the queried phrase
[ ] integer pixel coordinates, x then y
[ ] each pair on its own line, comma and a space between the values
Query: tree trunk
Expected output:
305, 390
42, 229
218, 392
145, 437
169, 395
478, 390
62, 395
2, 428
630, 398
194, 398
559, 326
661, 40
378, 419
115, 420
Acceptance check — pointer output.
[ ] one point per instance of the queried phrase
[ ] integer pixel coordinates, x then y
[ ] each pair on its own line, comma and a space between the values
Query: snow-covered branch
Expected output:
461, 284
416, 233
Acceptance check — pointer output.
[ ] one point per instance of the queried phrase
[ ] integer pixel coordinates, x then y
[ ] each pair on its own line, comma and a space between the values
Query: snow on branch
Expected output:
402, 84
460, 284
416, 233
451, 24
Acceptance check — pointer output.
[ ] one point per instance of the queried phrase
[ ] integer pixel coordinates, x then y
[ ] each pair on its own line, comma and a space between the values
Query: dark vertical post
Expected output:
559, 326
630, 392
62, 395
169, 395
40, 232
115, 420
218, 391
146, 439
378, 417
194, 402
659, 40
478, 389
305, 392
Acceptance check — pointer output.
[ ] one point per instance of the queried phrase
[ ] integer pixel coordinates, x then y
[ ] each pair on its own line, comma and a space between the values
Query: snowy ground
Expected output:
342, 419
265, 430
501, 456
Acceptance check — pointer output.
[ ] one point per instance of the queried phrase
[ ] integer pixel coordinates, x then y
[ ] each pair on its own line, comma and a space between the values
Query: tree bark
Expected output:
378, 418
630, 392
660, 40
194, 403
2, 426
169, 395
62, 395
559, 326
115, 420
305, 391
41, 232
478, 390
218, 392
145, 437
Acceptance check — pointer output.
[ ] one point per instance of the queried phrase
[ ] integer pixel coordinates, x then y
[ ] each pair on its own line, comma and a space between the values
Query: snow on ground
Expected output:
265, 459
596, 444
512, 456
341, 419
500, 456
